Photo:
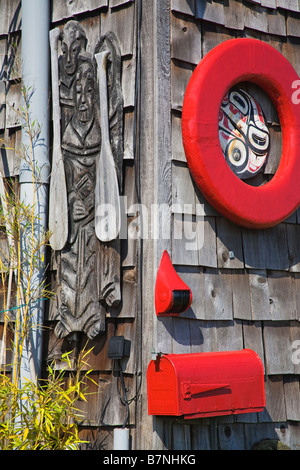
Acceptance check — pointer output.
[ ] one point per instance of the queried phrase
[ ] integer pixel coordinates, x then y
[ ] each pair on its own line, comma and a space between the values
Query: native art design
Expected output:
89, 269
243, 60
243, 134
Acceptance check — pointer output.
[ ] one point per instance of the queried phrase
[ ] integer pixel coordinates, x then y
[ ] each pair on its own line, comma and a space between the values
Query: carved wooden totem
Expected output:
88, 268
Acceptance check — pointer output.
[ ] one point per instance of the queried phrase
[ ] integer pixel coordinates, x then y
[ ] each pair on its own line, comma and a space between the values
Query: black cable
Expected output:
125, 401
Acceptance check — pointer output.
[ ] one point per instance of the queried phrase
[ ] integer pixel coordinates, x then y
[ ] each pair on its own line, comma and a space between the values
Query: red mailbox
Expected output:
206, 384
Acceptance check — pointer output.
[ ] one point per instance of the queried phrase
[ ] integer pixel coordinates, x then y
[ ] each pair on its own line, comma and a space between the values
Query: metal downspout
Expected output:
35, 77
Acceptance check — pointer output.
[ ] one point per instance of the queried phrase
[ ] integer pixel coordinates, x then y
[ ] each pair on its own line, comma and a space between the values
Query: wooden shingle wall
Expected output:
10, 129
104, 409
245, 282
10, 95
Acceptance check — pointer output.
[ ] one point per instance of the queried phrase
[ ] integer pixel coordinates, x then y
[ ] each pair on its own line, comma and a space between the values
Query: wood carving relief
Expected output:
88, 267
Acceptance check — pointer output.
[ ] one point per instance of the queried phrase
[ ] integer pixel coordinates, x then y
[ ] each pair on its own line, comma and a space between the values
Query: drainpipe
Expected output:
35, 75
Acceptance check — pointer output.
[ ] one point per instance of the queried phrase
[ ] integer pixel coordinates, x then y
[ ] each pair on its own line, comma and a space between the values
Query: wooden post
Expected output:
155, 159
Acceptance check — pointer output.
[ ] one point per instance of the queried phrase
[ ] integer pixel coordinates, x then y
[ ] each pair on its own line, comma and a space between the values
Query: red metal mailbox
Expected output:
206, 384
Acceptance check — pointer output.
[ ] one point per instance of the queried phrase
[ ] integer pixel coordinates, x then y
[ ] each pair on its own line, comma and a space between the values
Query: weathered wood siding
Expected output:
10, 130
104, 409
245, 283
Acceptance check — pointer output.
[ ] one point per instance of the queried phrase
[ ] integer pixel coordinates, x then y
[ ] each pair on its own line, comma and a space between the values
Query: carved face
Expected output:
73, 42
70, 54
85, 92
244, 136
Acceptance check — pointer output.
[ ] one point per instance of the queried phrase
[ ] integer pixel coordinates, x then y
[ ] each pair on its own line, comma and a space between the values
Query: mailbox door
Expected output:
162, 388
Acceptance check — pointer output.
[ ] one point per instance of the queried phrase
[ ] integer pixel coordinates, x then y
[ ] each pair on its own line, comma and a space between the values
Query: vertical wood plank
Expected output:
254, 433
218, 294
275, 241
231, 436
128, 81
259, 292
184, 6
181, 437
229, 335
203, 336
154, 158
268, 107
276, 22
181, 336
253, 339
292, 5
200, 437
13, 103
184, 243
241, 298
295, 345
260, 246
257, 19
253, 245
293, 236
210, 11
164, 335
207, 242
181, 73
178, 153
129, 136
182, 189
213, 35
185, 39
229, 244
275, 150
278, 348
235, 13
275, 406
114, 20
282, 297
292, 397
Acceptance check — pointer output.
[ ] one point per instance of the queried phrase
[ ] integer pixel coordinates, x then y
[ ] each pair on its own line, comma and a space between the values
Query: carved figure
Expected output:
89, 269
73, 46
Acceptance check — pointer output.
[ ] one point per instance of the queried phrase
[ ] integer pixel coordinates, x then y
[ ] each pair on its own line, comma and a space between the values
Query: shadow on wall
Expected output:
211, 434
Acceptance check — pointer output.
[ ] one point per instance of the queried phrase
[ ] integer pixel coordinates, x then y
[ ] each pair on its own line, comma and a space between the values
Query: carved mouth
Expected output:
83, 108
84, 115
70, 68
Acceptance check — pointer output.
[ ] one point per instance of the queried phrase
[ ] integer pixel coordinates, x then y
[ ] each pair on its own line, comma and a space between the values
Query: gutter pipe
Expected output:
35, 76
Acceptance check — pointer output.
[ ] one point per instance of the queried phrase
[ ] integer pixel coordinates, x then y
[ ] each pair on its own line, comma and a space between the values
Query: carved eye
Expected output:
239, 102
63, 48
236, 154
90, 87
75, 46
258, 139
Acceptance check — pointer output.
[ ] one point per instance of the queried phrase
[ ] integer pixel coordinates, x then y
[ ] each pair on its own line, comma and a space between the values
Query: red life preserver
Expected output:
234, 61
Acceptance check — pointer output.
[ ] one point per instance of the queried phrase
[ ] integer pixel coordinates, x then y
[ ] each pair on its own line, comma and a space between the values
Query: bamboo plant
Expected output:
40, 413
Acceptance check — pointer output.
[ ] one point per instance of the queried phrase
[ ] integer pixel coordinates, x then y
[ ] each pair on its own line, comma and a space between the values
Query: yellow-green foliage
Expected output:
43, 416
36, 413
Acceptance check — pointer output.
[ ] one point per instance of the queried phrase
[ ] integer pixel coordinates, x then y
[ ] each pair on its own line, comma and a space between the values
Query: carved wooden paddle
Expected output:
58, 204
107, 197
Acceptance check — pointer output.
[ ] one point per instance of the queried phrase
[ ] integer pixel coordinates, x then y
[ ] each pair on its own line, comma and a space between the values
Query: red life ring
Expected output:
234, 61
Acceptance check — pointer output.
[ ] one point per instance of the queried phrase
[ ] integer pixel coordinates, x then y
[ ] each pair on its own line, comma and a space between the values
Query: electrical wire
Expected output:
124, 401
